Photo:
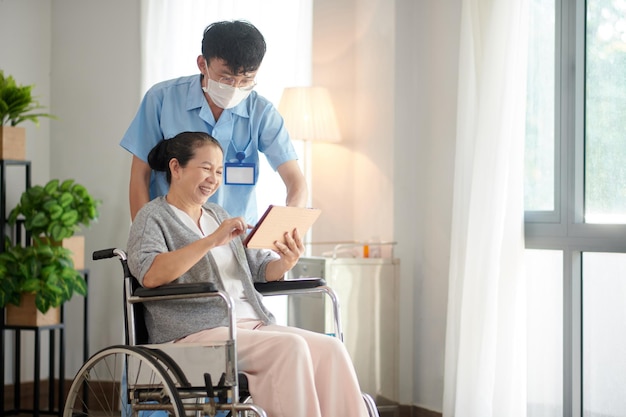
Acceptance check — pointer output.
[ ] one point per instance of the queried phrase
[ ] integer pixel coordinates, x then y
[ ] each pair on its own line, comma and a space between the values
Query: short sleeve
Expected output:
144, 131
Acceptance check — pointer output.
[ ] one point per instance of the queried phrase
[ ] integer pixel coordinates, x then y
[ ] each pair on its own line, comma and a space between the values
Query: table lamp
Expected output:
309, 116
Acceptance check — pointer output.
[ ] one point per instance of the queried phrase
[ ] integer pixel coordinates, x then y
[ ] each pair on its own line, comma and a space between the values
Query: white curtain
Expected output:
172, 38
485, 358
172, 33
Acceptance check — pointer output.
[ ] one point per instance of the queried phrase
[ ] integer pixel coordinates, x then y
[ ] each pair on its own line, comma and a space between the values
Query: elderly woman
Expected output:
180, 238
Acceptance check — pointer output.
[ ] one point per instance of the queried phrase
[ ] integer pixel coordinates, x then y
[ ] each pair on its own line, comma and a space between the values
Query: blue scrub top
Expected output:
179, 105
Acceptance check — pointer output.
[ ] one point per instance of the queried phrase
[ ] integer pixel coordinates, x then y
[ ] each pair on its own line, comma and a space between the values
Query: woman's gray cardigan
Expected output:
157, 229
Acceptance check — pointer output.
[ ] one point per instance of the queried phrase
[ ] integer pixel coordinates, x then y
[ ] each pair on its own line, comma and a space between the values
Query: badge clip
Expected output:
240, 173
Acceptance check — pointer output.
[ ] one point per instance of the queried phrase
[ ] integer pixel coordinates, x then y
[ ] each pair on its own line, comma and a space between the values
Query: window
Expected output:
544, 274
605, 118
540, 155
575, 201
604, 334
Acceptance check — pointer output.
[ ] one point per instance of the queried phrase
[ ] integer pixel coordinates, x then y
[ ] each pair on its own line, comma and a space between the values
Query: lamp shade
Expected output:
309, 114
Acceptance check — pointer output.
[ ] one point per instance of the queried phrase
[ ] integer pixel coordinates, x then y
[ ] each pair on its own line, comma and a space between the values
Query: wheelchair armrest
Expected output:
289, 285
176, 289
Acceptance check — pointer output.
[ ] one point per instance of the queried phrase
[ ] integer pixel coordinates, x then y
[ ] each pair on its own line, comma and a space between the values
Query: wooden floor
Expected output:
384, 411
386, 408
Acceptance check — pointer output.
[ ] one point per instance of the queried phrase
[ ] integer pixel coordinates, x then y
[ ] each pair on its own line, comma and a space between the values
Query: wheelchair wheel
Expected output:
123, 381
372, 410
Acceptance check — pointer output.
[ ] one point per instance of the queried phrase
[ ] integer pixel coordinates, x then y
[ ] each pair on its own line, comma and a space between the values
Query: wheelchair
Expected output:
140, 379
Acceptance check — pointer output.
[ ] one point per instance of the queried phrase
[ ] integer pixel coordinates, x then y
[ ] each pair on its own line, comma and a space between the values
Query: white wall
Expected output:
83, 57
96, 91
391, 66
426, 66
25, 50
28, 61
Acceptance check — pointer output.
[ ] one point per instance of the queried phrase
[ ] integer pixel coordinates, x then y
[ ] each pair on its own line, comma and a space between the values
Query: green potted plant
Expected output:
39, 276
55, 210
17, 105
46, 272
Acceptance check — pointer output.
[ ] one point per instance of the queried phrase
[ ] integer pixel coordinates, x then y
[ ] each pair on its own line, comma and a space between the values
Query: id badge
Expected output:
239, 173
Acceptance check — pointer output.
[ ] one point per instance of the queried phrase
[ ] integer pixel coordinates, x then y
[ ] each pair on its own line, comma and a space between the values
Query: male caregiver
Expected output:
222, 102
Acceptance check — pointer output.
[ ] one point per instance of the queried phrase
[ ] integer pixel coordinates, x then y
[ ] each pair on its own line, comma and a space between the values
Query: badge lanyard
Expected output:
240, 173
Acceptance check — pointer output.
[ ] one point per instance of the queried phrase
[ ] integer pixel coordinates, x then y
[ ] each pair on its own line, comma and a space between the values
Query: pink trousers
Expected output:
293, 372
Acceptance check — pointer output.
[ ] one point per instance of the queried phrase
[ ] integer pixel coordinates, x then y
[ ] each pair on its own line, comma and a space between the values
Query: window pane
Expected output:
544, 274
539, 156
604, 334
605, 120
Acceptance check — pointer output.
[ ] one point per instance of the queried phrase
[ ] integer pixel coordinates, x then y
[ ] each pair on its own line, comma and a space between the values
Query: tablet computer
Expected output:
277, 220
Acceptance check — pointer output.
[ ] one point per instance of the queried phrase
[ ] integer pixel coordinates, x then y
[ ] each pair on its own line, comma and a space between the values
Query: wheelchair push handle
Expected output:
109, 253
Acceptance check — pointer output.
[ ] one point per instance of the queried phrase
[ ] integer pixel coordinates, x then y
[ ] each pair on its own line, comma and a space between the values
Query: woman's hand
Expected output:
289, 253
168, 266
228, 230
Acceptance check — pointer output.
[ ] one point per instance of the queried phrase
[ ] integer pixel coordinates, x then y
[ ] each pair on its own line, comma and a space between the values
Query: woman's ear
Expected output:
174, 167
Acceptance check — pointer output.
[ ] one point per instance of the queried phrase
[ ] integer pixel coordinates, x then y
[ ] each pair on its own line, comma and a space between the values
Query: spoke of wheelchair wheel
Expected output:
137, 373
151, 378
91, 380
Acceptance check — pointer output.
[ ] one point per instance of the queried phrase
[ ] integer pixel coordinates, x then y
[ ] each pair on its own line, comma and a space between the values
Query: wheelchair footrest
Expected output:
209, 385
221, 390
243, 386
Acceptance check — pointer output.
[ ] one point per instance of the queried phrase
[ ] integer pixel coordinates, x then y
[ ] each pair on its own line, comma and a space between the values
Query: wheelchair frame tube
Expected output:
321, 289
232, 369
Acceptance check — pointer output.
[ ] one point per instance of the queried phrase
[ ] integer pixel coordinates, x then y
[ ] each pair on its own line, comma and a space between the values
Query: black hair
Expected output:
182, 147
237, 42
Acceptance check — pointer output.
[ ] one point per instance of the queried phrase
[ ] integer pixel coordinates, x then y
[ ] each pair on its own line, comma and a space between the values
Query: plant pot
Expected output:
26, 314
12, 143
76, 244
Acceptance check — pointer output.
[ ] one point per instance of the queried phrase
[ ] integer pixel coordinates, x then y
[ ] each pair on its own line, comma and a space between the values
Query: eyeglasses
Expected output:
245, 84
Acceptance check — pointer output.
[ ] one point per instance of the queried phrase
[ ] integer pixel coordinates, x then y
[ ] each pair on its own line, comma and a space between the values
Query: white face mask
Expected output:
225, 96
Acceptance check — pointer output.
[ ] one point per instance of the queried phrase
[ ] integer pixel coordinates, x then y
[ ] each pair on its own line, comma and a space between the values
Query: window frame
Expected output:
564, 228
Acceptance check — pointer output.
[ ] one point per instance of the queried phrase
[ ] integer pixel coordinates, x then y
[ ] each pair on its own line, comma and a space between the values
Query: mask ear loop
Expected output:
206, 77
